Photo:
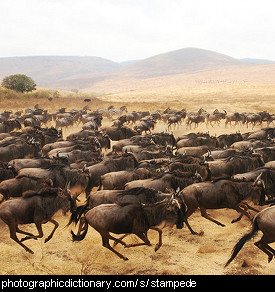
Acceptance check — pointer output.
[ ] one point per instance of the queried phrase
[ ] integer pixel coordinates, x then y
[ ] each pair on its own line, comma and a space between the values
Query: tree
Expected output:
19, 83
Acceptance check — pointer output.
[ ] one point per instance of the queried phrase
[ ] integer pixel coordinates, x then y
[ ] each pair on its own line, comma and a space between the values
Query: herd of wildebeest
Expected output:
135, 178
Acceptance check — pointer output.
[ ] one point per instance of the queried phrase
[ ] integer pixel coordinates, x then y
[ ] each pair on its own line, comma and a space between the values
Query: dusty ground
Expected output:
181, 254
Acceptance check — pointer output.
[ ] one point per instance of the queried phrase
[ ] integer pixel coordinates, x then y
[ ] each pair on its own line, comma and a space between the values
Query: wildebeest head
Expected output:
130, 159
177, 206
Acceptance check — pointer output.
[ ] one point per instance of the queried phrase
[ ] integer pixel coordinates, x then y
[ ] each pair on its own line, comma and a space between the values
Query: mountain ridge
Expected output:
68, 72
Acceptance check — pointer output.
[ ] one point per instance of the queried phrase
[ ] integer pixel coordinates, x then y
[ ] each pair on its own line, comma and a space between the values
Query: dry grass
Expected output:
182, 252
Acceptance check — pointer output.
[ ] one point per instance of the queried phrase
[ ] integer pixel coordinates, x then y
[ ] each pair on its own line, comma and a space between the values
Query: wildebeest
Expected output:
117, 133
196, 151
220, 194
117, 179
165, 182
233, 165
126, 161
15, 187
193, 141
225, 140
60, 174
132, 219
216, 117
22, 149
266, 174
6, 171
262, 221
9, 125
194, 118
18, 164
134, 195
235, 117
145, 124
199, 168
35, 207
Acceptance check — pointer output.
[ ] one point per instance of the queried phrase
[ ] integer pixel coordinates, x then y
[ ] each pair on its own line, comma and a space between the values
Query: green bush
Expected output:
19, 82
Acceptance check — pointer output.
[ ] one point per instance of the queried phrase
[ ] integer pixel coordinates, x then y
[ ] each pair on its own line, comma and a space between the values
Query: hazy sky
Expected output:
122, 30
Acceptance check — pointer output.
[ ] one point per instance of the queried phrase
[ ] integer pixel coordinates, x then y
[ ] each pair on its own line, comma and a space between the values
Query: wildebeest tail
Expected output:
77, 212
243, 240
80, 236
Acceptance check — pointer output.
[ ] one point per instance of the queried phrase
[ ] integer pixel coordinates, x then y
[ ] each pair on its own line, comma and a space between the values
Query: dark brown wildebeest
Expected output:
197, 141
43, 162
6, 171
233, 165
268, 153
116, 180
126, 161
15, 187
266, 174
132, 219
262, 221
145, 124
220, 194
35, 207
196, 151
175, 119
200, 168
10, 125
60, 174
226, 140
21, 149
134, 195
165, 182
116, 133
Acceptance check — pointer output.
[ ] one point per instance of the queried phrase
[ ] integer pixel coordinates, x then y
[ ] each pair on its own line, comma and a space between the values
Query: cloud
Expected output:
125, 29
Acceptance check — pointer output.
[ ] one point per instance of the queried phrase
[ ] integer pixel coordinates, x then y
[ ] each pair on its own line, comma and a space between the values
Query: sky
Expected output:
122, 30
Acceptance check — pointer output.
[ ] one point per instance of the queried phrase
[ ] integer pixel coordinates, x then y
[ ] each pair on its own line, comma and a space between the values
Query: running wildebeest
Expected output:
221, 194
132, 218
35, 207
263, 221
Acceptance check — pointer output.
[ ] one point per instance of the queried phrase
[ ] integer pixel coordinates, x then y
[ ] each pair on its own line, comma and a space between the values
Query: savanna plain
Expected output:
181, 253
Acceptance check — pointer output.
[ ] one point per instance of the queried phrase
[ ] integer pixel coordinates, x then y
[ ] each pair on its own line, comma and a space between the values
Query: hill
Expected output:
183, 61
47, 69
175, 69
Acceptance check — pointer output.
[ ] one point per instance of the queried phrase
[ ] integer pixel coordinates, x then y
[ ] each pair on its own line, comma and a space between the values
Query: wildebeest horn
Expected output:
68, 184
258, 177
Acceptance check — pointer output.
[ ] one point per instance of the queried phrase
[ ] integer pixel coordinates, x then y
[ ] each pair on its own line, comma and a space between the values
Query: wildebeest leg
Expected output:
13, 236
242, 211
23, 232
189, 212
40, 233
190, 228
142, 236
205, 215
105, 242
262, 245
55, 227
159, 244
116, 242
